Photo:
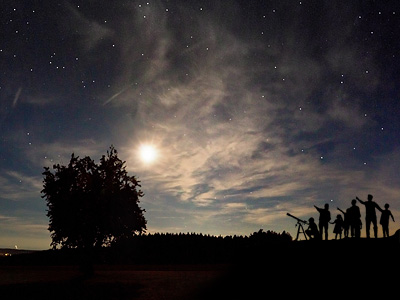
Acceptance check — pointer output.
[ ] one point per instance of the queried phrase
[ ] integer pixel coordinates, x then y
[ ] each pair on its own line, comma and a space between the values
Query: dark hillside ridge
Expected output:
259, 248
255, 267
10, 252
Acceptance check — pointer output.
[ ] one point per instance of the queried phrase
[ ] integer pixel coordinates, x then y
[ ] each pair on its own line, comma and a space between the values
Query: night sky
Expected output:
252, 108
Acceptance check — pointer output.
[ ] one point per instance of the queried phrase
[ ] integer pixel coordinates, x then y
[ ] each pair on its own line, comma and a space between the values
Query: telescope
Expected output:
300, 228
298, 220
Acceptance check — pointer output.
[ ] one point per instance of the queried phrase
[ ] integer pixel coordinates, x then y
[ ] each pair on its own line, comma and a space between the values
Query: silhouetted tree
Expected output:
91, 205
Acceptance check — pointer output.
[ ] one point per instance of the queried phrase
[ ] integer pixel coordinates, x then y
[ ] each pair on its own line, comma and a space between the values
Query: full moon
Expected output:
148, 153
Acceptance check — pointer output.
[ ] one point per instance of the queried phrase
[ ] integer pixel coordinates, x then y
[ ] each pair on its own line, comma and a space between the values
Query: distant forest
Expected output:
192, 247
195, 248
162, 248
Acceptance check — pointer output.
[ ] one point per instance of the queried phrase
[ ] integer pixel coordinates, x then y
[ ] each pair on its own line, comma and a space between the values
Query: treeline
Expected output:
163, 248
192, 247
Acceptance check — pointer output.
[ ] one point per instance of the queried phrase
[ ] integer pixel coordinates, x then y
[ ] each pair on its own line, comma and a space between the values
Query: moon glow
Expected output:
148, 154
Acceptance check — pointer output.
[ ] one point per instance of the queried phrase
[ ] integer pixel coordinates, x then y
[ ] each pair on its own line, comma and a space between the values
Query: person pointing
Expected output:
324, 218
370, 214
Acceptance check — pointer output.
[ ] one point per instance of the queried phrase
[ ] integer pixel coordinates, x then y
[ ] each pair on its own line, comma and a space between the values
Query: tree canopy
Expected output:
92, 205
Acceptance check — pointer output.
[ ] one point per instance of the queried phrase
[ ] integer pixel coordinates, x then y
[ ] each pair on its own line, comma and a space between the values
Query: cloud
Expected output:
16, 97
46, 154
90, 32
269, 217
228, 130
17, 186
25, 231
39, 100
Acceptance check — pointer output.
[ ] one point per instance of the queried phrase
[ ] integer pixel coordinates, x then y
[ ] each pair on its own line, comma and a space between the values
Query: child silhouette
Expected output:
338, 226
386, 213
346, 224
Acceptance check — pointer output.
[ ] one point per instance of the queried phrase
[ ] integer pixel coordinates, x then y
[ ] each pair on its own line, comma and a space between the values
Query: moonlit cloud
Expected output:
243, 143
238, 143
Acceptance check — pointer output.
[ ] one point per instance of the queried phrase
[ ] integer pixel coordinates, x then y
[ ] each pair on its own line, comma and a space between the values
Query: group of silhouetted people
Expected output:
351, 220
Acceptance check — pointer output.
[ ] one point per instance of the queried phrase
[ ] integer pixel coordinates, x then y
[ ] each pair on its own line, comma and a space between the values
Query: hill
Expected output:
252, 267
10, 252
194, 248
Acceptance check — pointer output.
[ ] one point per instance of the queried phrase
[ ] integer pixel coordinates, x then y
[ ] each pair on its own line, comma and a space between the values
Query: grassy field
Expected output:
109, 282
338, 269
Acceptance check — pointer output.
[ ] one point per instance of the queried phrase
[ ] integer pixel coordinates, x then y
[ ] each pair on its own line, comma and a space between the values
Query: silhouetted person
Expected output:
370, 215
324, 218
338, 226
354, 218
386, 214
346, 224
312, 230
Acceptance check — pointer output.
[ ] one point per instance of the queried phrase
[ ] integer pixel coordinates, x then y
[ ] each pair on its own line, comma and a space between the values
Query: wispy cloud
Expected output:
16, 97
24, 232
91, 33
18, 186
43, 154
255, 141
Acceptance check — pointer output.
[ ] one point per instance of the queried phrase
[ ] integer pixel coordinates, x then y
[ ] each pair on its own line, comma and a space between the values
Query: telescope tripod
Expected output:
300, 229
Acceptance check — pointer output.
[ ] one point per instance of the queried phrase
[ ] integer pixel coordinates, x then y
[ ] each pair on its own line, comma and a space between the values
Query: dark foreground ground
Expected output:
326, 269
